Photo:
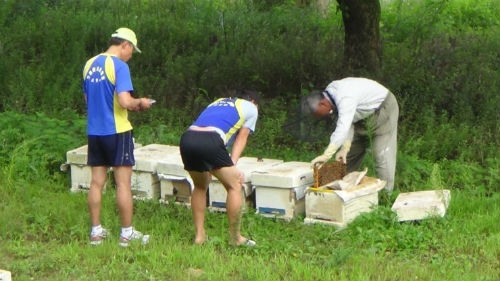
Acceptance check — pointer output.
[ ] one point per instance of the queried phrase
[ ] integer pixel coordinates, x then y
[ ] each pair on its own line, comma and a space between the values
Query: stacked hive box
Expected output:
247, 165
80, 171
280, 189
339, 207
145, 181
175, 183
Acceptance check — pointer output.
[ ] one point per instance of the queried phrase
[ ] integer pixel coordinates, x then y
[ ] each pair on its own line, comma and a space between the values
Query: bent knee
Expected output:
236, 186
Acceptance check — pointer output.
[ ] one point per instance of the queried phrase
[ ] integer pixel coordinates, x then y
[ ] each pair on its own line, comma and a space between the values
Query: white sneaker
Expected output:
97, 239
135, 236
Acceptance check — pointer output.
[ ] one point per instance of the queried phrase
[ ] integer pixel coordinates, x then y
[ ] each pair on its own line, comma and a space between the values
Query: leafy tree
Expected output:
362, 47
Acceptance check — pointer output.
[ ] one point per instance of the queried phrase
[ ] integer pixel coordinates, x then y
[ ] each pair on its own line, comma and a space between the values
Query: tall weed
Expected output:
35, 146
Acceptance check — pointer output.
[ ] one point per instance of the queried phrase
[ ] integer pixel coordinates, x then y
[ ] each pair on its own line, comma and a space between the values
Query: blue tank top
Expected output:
229, 115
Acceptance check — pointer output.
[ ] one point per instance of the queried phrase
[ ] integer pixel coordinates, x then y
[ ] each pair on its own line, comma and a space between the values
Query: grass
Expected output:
44, 237
44, 228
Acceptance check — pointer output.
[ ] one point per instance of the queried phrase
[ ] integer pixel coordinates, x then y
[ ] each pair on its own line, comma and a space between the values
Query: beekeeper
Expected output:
367, 114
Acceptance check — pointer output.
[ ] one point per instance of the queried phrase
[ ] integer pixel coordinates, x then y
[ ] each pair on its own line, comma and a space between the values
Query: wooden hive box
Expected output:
248, 165
419, 205
280, 189
145, 181
339, 207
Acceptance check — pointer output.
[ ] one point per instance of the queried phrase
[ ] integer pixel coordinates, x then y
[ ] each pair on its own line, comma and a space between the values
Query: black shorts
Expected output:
203, 151
112, 150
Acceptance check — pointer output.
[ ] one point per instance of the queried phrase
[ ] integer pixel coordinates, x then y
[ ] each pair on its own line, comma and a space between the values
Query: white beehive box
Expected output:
248, 165
81, 173
145, 181
217, 195
421, 204
280, 189
175, 183
5, 275
339, 207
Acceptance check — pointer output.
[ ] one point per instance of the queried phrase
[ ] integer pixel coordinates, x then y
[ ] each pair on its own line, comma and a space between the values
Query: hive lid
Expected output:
284, 175
421, 204
147, 157
249, 165
172, 165
77, 155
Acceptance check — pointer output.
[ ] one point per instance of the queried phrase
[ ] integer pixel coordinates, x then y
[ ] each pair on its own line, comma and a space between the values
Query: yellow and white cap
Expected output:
127, 34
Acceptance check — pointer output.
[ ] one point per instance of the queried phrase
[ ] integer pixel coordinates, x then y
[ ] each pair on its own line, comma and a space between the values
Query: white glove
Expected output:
329, 151
319, 160
342, 154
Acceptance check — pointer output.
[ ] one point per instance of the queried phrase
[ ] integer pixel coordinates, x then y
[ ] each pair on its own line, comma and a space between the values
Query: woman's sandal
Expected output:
248, 243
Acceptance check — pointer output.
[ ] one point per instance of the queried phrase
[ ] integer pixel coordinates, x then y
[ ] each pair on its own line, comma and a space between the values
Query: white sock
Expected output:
96, 230
127, 231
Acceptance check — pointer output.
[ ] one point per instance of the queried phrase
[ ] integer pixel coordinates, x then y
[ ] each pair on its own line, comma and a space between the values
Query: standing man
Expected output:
363, 106
203, 151
107, 87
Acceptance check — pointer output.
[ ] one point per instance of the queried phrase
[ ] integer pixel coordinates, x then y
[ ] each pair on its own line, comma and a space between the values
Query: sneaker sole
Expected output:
143, 241
96, 243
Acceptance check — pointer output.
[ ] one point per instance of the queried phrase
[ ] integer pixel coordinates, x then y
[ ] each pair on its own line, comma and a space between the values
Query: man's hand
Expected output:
128, 102
319, 160
329, 151
342, 153
144, 104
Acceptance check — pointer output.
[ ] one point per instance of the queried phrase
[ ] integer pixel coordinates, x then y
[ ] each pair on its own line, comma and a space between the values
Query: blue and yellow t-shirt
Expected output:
229, 115
104, 76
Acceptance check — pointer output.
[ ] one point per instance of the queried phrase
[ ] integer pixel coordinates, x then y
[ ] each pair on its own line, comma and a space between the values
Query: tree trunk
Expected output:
362, 51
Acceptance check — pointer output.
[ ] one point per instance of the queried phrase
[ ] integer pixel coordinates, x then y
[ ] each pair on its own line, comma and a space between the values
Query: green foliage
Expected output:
187, 45
35, 146
48, 240
439, 60
436, 137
